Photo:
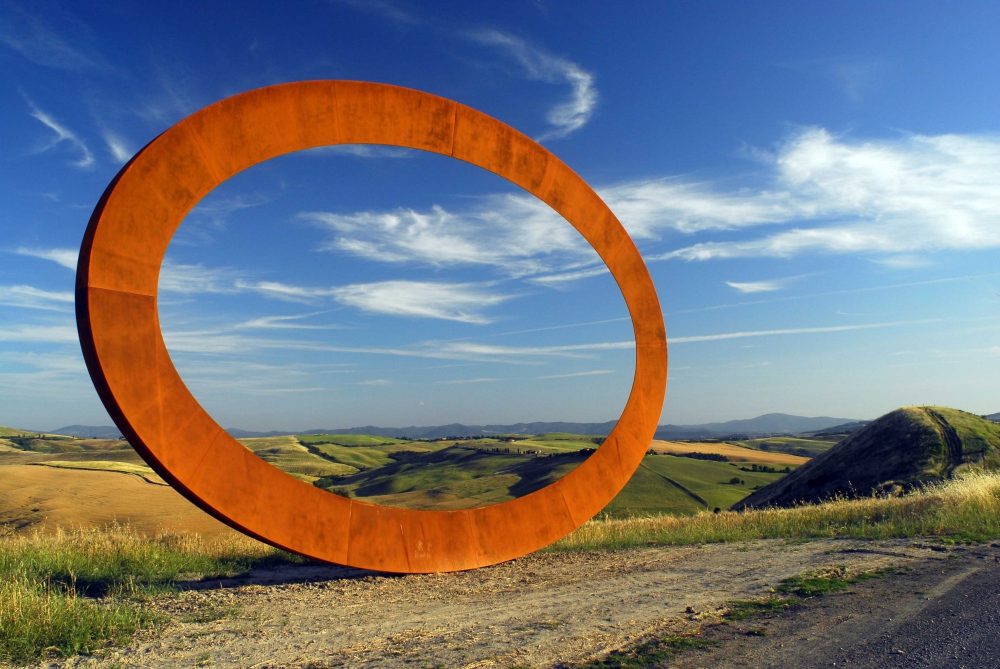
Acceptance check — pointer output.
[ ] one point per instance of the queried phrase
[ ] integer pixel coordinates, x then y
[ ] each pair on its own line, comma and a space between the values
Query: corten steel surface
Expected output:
120, 331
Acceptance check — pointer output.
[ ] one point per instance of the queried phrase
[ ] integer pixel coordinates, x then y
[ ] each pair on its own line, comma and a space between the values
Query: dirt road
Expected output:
938, 614
539, 611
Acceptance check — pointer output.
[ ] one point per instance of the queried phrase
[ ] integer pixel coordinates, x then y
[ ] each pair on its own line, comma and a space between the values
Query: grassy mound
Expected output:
904, 449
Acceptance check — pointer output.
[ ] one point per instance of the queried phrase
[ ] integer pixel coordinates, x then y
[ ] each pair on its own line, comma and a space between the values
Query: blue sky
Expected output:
815, 188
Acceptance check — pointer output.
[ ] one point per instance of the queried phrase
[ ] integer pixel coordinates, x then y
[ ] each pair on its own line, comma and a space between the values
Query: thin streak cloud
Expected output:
565, 117
62, 134
65, 257
795, 331
593, 372
29, 297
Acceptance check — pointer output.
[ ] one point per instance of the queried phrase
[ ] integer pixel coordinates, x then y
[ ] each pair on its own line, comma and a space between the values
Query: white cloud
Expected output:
192, 279
447, 301
364, 151
647, 208
375, 382
119, 149
762, 286
913, 195
283, 291
516, 235
461, 302
903, 261
566, 277
62, 134
282, 323
593, 372
755, 286
29, 297
566, 116
65, 257
897, 200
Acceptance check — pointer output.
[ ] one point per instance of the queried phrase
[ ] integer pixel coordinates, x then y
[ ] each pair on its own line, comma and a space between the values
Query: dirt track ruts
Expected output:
540, 611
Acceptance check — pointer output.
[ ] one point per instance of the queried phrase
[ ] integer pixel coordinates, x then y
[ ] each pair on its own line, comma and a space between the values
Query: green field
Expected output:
809, 448
350, 439
288, 455
435, 475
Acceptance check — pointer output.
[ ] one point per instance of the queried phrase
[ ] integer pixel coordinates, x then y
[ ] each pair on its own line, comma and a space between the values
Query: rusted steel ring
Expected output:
116, 293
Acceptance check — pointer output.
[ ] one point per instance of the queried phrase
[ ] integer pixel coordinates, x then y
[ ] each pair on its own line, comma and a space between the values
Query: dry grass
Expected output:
734, 453
962, 509
77, 591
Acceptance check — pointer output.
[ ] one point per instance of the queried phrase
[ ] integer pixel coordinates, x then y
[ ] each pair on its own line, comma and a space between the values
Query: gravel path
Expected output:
539, 611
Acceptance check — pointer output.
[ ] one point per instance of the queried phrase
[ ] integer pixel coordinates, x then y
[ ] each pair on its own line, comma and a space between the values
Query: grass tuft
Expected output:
81, 590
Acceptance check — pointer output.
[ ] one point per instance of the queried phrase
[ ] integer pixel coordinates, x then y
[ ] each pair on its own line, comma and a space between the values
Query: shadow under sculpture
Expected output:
116, 293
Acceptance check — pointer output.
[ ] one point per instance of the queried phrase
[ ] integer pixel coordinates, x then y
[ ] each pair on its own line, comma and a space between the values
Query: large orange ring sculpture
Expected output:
116, 293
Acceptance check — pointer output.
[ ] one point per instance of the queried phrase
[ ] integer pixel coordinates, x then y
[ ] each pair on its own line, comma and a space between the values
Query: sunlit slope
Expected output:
734, 452
480, 473
900, 450
47, 498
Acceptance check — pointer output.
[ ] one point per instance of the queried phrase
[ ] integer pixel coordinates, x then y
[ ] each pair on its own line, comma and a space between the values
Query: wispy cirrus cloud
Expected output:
565, 117
515, 235
195, 279
462, 382
755, 286
282, 323
422, 299
796, 331
65, 257
119, 149
895, 200
62, 134
28, 35
766, 286
364, 151
29, 297
917, 194
461, 302
592, 372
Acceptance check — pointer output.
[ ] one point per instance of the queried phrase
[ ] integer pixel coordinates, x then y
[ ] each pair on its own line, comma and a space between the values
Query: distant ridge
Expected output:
772, 423
89, 431
995, 417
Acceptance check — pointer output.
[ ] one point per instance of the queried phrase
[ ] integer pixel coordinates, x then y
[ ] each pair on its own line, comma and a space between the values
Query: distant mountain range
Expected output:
995, 417
772, 423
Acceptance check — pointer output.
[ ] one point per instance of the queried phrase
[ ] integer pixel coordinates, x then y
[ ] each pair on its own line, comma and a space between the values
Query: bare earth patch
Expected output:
543, 610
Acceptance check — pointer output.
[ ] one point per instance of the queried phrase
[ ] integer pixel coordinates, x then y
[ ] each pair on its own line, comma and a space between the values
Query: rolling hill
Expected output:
674, 478
900, 450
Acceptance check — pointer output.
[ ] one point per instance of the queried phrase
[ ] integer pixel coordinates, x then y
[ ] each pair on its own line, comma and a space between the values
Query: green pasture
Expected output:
809, 448
349, 439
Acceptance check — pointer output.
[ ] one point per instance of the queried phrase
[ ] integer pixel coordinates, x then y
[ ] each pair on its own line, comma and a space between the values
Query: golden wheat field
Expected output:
734, 453
46, 498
